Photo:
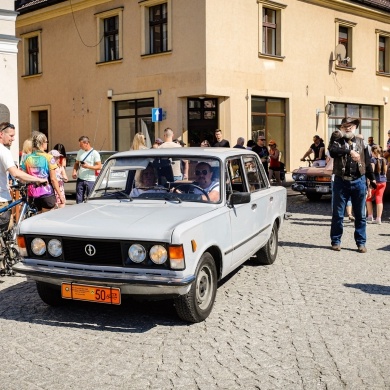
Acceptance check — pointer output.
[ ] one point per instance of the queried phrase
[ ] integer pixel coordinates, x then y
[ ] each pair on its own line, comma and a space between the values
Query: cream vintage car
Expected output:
142, 233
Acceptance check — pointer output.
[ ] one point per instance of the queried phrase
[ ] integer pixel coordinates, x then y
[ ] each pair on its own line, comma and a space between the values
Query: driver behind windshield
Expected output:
147, 182
204, 179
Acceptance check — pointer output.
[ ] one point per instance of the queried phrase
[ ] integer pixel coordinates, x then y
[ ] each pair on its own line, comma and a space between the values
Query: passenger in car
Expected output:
204, 179
146, 181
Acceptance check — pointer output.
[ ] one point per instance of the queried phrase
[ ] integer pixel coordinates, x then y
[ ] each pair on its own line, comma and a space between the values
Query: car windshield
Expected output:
184, 179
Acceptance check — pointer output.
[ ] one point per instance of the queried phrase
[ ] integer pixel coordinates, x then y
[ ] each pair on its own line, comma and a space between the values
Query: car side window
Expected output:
253, 174
235, 179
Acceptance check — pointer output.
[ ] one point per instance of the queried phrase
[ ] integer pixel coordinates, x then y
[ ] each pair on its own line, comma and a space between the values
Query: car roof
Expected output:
100, 151
221, 153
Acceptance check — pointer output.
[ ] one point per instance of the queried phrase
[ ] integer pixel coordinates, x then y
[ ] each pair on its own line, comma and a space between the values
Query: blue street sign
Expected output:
157, 114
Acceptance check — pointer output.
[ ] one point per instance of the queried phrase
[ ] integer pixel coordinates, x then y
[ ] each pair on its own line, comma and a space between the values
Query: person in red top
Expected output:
274, 163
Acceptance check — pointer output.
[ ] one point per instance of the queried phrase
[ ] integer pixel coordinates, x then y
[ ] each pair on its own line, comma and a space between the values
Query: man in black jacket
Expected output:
351, 169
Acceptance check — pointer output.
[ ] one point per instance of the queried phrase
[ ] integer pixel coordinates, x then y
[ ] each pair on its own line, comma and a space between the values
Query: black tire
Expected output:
49, 294
196, 305
313, 196
267, 254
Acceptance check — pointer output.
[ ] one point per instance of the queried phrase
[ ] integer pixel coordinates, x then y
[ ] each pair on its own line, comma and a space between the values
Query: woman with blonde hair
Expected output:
379, 166
138, 142
42, 165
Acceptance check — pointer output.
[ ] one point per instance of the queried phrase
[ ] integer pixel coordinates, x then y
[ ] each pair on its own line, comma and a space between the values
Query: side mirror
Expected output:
239, 198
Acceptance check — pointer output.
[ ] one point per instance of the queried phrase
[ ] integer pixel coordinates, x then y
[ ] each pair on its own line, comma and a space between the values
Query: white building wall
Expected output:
8, 69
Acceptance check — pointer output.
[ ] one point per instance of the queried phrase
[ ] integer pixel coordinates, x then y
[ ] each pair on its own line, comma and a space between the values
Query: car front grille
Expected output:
92, 252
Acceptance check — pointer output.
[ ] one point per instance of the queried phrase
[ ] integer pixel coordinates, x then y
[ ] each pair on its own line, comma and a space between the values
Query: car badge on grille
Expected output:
90, 250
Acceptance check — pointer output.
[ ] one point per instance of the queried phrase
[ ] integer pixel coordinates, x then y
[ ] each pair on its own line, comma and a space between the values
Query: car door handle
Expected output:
254, 206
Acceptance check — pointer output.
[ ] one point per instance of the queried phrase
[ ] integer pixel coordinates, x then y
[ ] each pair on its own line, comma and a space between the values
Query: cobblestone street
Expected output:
316, 319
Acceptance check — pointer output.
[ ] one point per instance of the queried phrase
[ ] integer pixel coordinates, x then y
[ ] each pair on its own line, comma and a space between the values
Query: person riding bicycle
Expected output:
7, 166
318, 148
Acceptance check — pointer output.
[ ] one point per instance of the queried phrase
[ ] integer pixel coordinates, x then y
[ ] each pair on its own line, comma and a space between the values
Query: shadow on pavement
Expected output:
21, 303
371, 288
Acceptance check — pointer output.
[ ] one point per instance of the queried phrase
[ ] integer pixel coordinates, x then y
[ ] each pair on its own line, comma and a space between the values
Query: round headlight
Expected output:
54, 247
137, 253
302, 177
158, 254
294, 176
38, 246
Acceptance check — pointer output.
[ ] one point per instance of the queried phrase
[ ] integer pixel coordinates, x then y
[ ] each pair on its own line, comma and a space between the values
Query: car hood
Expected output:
314, 171
120, 220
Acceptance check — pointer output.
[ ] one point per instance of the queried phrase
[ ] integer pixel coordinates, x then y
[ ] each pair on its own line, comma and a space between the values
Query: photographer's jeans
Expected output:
342, 191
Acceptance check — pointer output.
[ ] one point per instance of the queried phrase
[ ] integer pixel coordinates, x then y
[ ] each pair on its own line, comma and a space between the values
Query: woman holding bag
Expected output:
43, 165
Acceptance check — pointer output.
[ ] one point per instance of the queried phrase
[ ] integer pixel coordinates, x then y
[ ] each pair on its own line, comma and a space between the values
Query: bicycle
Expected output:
9, 255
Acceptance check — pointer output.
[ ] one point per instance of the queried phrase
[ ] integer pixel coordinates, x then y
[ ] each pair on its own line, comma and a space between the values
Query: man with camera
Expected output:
87, 163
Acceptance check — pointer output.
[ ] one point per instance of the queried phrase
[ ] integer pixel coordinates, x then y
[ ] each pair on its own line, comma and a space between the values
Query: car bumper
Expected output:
317, 188
129, 282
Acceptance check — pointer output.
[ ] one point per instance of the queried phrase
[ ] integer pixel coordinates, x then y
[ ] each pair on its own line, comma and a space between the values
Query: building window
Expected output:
156, 24
368, 115
110, 33
111, 38
270, 28
269, 31
32, 53
40, 121
344, 37
158, 28
383, 42
131, 117
269, 120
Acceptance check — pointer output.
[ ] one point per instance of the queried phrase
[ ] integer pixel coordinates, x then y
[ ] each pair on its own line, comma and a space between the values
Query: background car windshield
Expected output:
191, 179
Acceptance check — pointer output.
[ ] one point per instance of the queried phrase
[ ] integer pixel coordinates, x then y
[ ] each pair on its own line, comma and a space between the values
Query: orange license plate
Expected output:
82, 292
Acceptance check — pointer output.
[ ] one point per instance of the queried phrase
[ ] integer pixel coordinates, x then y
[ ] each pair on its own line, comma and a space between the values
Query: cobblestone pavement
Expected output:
316, 319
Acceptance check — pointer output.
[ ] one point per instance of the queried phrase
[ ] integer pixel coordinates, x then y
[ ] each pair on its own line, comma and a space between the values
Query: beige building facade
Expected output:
288, 69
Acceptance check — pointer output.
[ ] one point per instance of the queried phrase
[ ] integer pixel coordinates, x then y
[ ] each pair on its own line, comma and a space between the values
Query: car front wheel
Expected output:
267, 254
49, 294
196, 305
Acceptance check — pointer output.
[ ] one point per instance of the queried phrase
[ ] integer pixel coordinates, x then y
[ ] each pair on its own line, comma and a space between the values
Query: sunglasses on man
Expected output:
8, 126
202, 172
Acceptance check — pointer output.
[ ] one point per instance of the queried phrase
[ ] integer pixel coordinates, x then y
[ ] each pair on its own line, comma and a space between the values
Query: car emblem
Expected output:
90, 250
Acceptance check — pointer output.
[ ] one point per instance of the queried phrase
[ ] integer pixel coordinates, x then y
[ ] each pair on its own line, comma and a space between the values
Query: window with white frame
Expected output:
383, 52
110, 35
156, 26
270, 31
32, 53
345, 37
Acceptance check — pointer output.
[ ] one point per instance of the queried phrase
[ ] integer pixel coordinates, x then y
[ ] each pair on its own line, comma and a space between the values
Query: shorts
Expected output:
377, 194
44, 202
5, 217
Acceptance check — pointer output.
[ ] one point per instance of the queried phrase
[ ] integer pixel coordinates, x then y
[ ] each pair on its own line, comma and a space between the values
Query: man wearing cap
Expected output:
352, 168
262, 151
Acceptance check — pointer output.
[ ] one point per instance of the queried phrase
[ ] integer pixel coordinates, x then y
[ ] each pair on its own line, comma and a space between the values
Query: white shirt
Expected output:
6, 162
176, 169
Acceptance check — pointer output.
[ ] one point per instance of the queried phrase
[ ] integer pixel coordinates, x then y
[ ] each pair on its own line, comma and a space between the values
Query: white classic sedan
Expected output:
145, 231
